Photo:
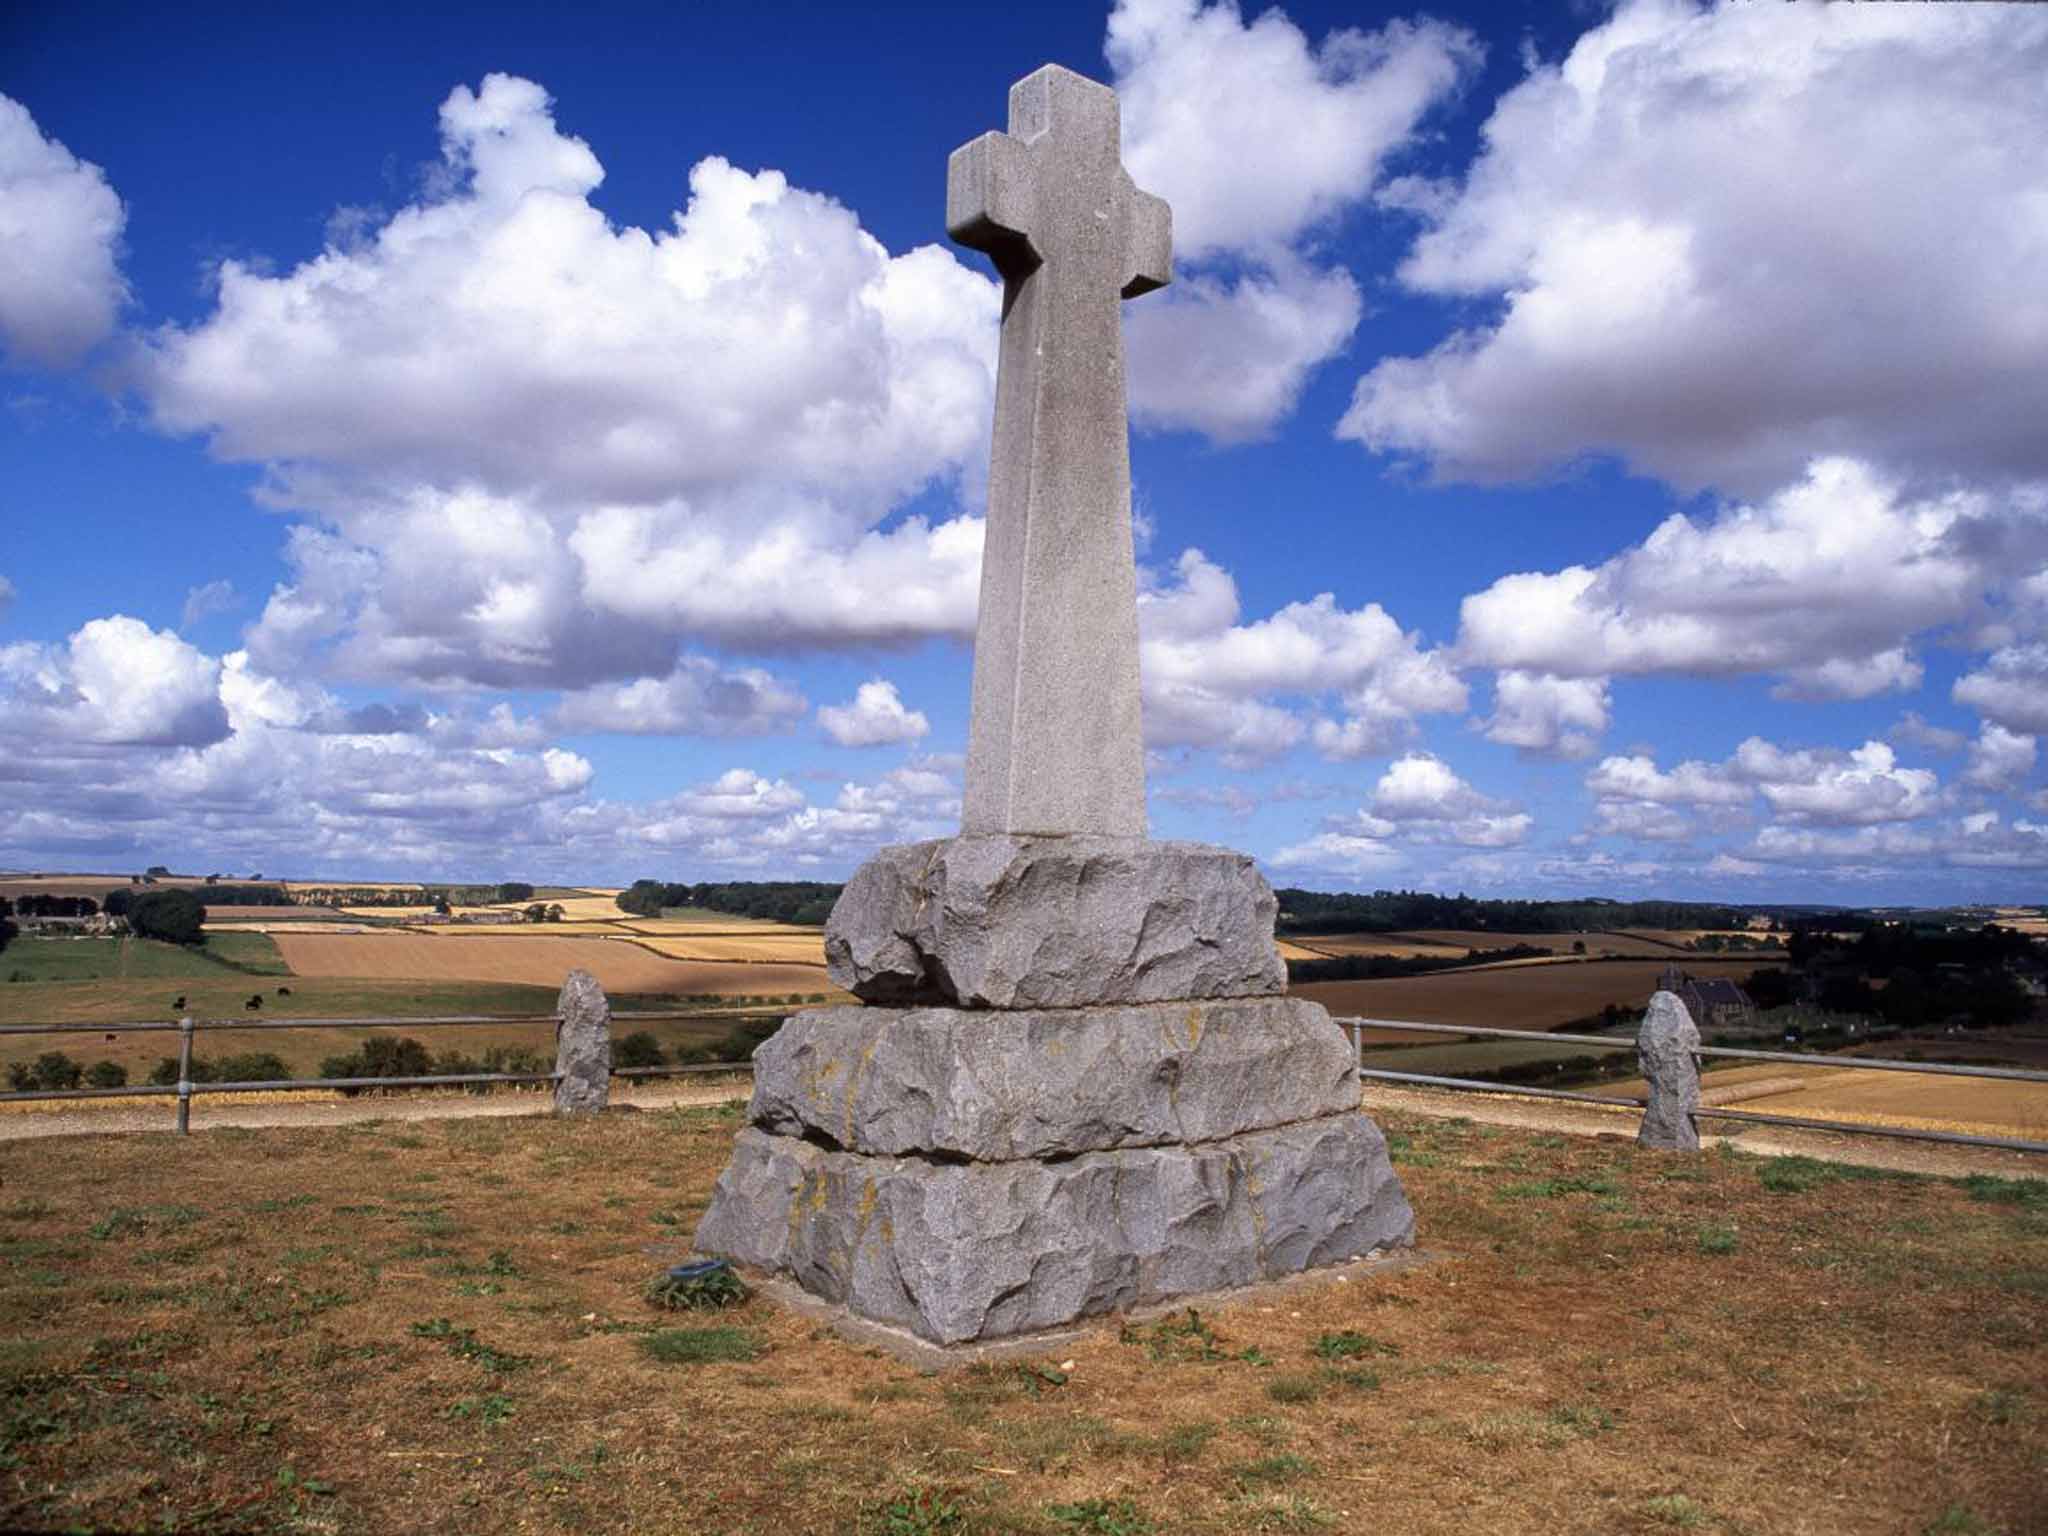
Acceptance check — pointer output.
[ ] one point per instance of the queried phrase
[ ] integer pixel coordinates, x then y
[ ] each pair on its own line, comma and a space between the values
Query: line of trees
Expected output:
782, 901
1374, 967
1395, 911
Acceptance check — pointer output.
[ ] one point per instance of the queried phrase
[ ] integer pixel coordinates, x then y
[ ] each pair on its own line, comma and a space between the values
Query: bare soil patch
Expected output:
439, 1327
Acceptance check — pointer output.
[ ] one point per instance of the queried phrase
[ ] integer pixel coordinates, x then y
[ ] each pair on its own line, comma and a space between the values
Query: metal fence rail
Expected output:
1357, 1028
186, 1088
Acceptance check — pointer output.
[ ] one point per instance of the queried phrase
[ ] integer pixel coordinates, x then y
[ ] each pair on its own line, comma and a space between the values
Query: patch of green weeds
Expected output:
133, 1221
491, 1409
1285, 1467
1957, 1520
1186, 1442
1676, 1509
2002, 1406
1718, 1241
1293, 1388
464, 1345
914, 1512
1255, 1511
1178, 1339
696, 1293
1683, 1173
1105, 1517
1351, 1345
1562, 1185
700, 1346
1989, 1189
1351, 1378
28, 1208
273, 1207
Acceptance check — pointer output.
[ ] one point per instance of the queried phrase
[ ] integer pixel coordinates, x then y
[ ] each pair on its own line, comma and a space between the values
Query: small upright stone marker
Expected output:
583, 1046
1078, 1087
1664, 1051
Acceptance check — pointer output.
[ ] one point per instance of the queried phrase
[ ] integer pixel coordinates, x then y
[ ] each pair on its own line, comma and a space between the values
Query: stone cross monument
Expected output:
1054, 744
1077, 1086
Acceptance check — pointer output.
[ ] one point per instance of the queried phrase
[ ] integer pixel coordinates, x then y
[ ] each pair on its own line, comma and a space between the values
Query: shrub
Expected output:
51, 1072
250, 1067
716, 1287
106, 1074
639, 1049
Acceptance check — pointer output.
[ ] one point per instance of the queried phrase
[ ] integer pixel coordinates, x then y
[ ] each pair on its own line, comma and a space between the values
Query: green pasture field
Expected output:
30, 961
1464, 1059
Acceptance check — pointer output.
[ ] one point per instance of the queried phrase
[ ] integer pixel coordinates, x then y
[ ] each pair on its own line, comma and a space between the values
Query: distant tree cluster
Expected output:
39, 905
782, 901
246, 895
1374, 967
514, 890
1396, 911
176, 917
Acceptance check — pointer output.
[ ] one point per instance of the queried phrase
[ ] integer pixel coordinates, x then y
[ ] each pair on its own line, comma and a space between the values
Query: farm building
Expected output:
1714, 1002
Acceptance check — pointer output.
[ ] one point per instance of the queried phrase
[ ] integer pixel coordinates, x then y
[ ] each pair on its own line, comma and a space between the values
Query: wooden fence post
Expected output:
185, 1076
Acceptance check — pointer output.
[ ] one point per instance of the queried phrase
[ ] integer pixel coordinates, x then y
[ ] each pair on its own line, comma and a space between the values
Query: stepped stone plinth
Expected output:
1076, 1087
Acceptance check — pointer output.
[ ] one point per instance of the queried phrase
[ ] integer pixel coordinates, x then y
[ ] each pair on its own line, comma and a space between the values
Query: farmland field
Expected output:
31, 961
1531, 997
618, 966
1982, 1106
787, 949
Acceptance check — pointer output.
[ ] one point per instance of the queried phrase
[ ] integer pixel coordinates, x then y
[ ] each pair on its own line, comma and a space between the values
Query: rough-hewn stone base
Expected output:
954, 1251
1054, 922
990, 1086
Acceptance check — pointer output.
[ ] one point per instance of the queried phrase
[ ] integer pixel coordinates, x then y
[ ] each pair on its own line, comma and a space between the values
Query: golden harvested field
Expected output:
1683, 937
401, 914
806, 948
523, 929
1982, 1106
1396, 946
709, 926
259, 914
1526, 997
1289, 950
589, 908
459, 957
272, 925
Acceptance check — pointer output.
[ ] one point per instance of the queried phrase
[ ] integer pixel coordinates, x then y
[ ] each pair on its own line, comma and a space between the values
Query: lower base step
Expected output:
953, 1252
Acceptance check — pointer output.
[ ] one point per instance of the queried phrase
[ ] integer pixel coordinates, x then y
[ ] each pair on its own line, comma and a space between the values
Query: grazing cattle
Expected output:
284, 991
254, 1002
178, 1006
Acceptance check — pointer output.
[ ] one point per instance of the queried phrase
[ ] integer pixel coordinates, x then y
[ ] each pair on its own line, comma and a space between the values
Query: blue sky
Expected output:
1583, 451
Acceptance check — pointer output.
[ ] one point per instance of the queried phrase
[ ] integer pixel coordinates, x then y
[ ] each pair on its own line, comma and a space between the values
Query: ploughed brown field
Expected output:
618, 965
1509, 997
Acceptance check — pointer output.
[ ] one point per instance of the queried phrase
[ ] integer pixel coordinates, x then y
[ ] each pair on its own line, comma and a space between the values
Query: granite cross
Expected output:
1054, 742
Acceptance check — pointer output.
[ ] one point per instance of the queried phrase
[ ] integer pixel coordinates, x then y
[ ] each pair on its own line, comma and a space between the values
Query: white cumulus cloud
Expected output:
1259, 139
115, 682
542, 449
1999, 759
1823, 583
697, 698
61, 289
1699, 265
875, 718
1548, 716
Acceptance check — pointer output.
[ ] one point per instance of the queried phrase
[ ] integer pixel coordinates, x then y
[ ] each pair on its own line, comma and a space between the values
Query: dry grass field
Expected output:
439, 1327
805, 948
270, 914
1531, 997
618, 966
1644, 944
1980, 1106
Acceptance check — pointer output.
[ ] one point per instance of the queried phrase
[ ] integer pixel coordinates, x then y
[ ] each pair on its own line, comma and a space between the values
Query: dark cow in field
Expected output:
255, 1001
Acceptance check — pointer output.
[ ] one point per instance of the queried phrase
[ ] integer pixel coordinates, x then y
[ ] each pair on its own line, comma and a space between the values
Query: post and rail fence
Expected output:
592, 1026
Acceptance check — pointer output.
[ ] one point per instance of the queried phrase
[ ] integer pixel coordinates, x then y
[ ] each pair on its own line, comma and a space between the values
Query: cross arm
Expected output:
989, 201
1148, 244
